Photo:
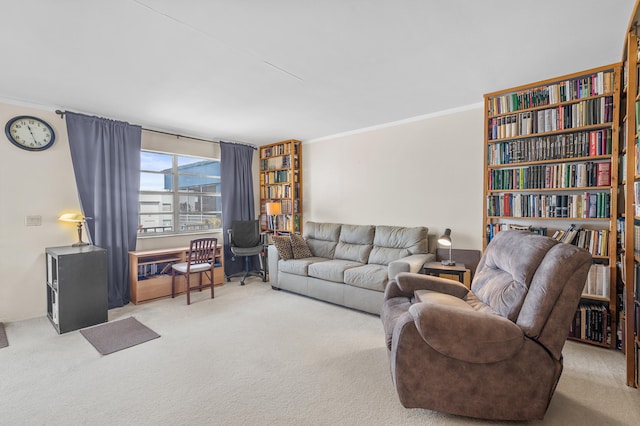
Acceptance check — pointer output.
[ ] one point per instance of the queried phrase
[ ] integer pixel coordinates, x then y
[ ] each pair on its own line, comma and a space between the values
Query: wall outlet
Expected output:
35, 220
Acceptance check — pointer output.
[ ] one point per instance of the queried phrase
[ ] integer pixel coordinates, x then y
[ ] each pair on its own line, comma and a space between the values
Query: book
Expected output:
603, 173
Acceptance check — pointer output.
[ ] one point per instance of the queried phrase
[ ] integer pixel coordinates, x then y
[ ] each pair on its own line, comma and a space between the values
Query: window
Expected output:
179, 194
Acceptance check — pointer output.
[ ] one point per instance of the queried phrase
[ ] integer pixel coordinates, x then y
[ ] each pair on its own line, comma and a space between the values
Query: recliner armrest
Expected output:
466, 334
408, 283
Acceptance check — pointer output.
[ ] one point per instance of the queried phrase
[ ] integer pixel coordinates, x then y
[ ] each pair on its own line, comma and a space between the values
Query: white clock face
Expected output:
30, 133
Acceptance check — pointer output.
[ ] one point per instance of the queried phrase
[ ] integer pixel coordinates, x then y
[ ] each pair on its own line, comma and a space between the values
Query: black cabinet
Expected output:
76, 287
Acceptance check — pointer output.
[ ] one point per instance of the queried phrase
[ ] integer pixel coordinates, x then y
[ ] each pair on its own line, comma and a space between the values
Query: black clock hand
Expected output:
34, 138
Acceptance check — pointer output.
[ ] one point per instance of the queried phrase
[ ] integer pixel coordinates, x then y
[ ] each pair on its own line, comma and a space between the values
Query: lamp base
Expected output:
79, 244
448, 262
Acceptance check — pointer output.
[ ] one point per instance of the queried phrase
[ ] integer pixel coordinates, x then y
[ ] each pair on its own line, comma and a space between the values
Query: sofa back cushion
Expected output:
395, 242
355, 243
322, 238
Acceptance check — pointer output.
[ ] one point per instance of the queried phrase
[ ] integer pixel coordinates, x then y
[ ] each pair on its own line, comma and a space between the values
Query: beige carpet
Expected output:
254, 356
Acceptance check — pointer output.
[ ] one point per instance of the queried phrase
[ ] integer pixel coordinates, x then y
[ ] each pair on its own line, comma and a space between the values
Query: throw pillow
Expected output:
299, 247
283, 245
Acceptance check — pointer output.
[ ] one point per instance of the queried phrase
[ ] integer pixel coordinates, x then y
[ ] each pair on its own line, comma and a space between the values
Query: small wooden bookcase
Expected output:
150, 272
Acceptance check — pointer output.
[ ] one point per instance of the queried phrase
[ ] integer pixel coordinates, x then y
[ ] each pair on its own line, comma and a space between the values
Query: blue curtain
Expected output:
106, 163
236, 184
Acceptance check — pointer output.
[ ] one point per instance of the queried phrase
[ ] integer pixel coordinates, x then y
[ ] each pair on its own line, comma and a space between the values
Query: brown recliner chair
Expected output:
494, 352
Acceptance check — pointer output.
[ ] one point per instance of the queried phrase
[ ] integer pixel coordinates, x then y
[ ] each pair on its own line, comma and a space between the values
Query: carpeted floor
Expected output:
254, 356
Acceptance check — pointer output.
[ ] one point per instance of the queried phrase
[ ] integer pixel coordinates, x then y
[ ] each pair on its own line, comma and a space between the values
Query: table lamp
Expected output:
445, 240
79, 219
273, 209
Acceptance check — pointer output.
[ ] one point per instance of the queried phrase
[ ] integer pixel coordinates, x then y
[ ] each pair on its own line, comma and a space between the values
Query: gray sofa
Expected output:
351, 264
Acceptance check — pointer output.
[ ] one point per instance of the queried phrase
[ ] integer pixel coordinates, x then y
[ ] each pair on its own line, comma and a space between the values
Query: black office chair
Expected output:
246, 240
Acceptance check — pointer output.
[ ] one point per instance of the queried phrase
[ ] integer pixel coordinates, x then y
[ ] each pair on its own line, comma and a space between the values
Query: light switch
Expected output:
35, 220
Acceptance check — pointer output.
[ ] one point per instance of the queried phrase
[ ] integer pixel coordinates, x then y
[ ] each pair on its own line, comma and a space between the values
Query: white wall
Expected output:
32, 183
426, 172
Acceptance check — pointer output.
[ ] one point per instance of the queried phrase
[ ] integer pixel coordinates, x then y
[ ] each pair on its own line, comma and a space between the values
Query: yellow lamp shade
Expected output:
71, 217
273, 208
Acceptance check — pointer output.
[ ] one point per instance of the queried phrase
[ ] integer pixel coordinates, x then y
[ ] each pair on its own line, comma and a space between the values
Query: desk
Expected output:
437, 268
150, 272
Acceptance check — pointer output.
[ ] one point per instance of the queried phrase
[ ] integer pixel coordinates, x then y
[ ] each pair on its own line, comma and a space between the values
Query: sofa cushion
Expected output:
395, 242
299, 247
372, 277
322, 238
332, 270
299, 266
283, 245
355, 243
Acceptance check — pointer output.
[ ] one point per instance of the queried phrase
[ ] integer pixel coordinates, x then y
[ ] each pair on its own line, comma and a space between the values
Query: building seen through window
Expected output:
179, 194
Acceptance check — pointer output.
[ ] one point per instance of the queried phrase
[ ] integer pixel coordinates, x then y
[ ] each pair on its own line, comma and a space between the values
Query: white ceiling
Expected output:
263, 71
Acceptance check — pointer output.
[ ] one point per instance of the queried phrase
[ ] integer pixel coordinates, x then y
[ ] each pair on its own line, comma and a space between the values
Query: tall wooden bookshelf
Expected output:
281, 182
551, 166
630, 221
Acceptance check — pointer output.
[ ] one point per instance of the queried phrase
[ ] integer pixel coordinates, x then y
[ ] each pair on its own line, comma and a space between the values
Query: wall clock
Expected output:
30, 133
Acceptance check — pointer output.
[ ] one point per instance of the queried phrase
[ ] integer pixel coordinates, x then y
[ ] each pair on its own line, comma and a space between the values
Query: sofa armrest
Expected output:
408, 283
411, 263
273, 257
464, 333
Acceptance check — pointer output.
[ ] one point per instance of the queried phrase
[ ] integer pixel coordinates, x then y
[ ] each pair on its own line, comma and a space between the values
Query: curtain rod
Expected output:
61, 114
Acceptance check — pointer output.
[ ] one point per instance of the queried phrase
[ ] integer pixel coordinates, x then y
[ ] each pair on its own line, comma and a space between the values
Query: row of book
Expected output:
281, 222
591, 85
276, 191
592, 322
598, 281
274, 163
636, 198
580, 206
494, 228
636, 237
565, 175
595, 241
585, 113
275, 176
149, 270
637, 284
551, 147
287, 207
275, 150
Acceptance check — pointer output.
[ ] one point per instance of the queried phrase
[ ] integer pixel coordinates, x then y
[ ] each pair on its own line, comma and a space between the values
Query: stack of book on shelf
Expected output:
636, 237
149, 270
597, 281
556, 176
494, 228
592, 322
595, 84
595, 241
551, 147
580, 206
569, 116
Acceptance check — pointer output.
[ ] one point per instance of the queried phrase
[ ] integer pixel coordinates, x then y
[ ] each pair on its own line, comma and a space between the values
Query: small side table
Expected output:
437, 268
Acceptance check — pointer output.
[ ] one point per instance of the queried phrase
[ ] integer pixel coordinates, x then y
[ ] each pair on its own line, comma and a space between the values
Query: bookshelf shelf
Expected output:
551, 166
281, 182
